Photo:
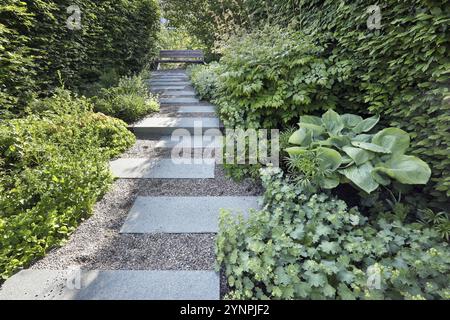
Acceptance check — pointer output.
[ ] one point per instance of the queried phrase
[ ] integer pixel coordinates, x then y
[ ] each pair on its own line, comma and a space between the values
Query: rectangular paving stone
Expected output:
161, 83
164, 88
165, 126
183, 214
111, 285
195, 109
196, 142
178, 100
140, 168
164, 79
174, 93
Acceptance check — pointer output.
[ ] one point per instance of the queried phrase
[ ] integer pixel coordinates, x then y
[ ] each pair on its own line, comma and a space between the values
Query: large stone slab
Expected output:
197, 109
180, 100
139, 168
193, 142
111, 285
177, 93
161, 83
183, 214
165, 126
164, 88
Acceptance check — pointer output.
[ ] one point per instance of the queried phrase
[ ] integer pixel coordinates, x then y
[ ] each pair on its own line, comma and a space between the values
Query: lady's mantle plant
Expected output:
301, 247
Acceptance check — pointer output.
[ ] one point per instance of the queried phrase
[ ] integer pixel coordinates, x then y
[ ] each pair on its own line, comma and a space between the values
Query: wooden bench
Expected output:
180, 56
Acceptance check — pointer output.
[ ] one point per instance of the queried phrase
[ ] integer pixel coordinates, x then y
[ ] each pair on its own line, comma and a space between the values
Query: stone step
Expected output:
178, 94
166, 126
111, 285
141, 168
183, 214
164, 73
178, 100
157, 89
197, 109
193, 142
169, 83
156, 79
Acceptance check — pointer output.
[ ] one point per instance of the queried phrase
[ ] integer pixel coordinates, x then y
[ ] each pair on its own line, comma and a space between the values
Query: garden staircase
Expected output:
180, 109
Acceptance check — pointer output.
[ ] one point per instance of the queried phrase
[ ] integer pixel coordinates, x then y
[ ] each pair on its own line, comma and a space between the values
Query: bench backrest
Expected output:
182, 55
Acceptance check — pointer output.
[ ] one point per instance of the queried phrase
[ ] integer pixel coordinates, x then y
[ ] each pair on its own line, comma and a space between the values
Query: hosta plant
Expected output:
348, 150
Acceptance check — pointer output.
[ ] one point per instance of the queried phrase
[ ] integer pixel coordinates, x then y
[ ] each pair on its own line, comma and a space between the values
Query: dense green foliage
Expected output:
53, 168
205, 79
130, 100
314, 247
400, 71
36, 43
345, 149
271, 77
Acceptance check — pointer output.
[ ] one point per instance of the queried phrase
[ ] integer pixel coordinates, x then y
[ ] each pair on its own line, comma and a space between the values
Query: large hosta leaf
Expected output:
351, 120
367, 124
405, 169
301, 137
361, 176
329, 159
393, 139
311, 120
370, 147
315, 129
359, 156
295, 151
330, 182
332, 122
339, 141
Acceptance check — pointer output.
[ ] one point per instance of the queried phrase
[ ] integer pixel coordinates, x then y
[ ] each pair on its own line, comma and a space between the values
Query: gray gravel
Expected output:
97, 244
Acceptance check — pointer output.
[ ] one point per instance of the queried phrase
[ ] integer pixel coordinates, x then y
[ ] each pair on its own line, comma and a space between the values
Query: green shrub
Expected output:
129, 101
53, 168
301, 247
36, 44
271, 77
205, 80
400, 71
345, 149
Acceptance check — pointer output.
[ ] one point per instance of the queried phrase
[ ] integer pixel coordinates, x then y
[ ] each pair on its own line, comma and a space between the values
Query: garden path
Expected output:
152, 236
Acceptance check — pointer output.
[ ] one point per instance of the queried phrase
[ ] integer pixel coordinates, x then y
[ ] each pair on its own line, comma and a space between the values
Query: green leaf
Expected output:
359, 156
393, 139
345, 293
311, 120
366, 125
329, 291
332, 122
405, 169
370, 147
339, 141
361, 176
316, 130
351, 120
295, 151
329, 159
330, 182
301, 137
329, 247
316, 279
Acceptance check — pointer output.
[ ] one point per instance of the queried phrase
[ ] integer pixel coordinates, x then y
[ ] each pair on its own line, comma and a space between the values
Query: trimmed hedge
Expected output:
400, 71
36, 44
